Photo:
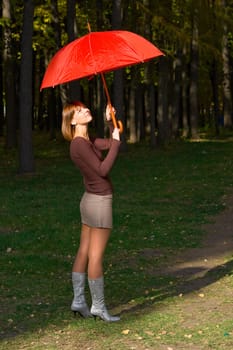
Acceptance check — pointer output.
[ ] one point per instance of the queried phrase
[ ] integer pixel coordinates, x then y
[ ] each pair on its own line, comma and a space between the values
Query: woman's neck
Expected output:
81, 131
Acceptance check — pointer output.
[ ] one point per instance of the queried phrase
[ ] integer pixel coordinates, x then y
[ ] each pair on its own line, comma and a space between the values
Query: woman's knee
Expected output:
82, 255
95, 258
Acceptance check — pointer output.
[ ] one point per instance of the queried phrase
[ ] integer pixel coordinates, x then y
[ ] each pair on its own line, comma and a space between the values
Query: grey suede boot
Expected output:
79, 302
98, 308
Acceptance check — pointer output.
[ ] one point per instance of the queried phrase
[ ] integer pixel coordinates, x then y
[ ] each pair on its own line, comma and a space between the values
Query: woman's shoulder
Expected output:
81, 140
80, 143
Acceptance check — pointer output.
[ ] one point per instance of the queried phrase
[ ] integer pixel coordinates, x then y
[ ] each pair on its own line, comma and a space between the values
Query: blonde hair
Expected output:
68, 111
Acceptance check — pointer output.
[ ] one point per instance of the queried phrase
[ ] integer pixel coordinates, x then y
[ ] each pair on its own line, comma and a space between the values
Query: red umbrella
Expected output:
98, 52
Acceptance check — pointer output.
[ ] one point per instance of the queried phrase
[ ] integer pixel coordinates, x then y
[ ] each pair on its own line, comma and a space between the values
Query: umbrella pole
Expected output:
117, 123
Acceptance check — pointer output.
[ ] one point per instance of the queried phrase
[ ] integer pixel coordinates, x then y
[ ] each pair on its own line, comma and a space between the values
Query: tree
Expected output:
9, 78
100, 100
194, 113
176, 105
162, 114
227, 100
26, 157
150, 112
1, 83
184, 93
118, 81
74, 86
214, 69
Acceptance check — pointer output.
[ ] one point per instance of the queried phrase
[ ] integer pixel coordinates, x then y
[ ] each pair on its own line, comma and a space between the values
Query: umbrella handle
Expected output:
120, 126
117, 123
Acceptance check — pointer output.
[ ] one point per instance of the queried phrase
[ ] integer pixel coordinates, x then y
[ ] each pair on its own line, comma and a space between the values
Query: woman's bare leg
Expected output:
97, 243
81, 259
79, 275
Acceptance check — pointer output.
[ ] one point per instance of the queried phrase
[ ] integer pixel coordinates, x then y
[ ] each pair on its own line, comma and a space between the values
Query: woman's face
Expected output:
82, 115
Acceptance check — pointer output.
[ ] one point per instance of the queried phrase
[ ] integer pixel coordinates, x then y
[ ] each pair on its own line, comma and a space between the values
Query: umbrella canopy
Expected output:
97, 52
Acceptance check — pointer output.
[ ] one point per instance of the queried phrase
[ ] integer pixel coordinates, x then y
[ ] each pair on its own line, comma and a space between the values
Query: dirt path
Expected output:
217, 247
206, 294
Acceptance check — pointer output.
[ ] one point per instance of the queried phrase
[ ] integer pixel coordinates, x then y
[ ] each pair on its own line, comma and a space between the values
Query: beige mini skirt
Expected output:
96, 210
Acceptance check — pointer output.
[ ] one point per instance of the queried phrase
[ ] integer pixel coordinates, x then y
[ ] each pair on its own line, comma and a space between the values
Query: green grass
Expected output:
162, 197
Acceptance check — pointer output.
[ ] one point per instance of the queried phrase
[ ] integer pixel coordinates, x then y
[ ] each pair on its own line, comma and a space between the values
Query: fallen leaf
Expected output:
149, 333
125, 331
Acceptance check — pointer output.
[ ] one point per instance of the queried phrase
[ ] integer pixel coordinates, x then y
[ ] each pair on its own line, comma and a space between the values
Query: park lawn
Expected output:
162, 198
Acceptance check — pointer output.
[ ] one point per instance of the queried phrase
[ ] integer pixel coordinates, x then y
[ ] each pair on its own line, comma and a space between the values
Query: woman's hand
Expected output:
116, 134
108, 111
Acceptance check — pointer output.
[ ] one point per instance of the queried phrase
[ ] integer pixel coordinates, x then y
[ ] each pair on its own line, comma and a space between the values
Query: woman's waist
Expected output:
102, 187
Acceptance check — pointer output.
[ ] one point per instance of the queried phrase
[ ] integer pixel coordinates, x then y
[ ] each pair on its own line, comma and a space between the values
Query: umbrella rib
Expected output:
91, 52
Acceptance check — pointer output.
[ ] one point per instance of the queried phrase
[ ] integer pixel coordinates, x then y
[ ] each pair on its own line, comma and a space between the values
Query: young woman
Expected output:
95, 205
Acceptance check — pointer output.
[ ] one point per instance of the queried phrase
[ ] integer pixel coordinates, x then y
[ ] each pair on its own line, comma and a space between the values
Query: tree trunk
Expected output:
74, 86
100, 104
9, 81
1, 90
26, 158
227, 101
71, 23
52, 100
152, 116
162, 113
176, 100
100, 98
184, 93
194, 114
213, 78
214, 73
52, 111
118, 80
139, 112
149, 88
132, 116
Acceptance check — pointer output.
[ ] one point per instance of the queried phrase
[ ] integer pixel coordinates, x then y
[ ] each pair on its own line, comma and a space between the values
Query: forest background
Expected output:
180, 95
163, 197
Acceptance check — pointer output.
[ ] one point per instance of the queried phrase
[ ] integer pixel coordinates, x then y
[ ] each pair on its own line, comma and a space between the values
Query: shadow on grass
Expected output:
190, 284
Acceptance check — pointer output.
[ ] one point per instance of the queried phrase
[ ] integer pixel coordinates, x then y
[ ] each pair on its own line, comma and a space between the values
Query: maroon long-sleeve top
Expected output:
87, 156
